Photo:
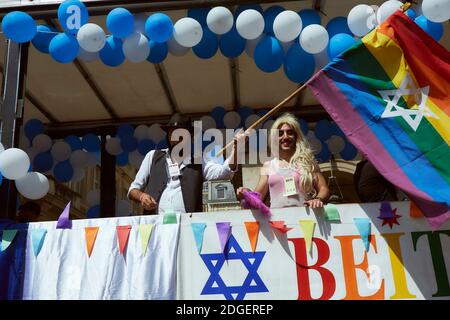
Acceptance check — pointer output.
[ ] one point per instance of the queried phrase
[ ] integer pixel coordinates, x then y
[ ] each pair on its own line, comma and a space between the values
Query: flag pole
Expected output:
404, 7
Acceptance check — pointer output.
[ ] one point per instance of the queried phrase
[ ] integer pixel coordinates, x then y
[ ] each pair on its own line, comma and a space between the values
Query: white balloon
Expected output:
361, 19
220, 20
123, 208
113, 146
436, 10
314, 38
176, 49
1, 148
231, 120
93, 160
79, 158
139, 22
286, 45
336, 144
141, 132
42, 142
135, 158
14, 163
315, 143
61, 151
387, 8
287, 25
155, 133
251, 119
87, 56
208, 122
250, 45
78, 174
188, 32
33, 185
136, 47
268, 124
250, 24
91, 37
93, 197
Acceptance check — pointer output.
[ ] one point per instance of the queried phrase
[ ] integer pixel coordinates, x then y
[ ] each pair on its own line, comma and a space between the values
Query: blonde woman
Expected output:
293, 178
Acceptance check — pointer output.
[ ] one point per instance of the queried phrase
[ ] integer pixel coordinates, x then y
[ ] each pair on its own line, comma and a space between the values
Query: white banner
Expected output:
405, 262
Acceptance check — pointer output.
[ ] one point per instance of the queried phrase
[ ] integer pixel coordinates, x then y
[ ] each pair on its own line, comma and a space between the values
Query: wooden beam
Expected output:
235, 84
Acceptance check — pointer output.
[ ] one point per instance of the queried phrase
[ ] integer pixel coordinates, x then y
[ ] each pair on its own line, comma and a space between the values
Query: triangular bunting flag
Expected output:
223, 229
91, 235
145, 230
123, 232
198, 229
7, 238
331, 212
280, 226
363, 225
37, 240
252, 232
307, 227
170, 217
63, 221
414, 211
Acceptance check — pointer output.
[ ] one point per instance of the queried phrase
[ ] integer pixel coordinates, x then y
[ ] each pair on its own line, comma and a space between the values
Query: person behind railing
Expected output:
293, 177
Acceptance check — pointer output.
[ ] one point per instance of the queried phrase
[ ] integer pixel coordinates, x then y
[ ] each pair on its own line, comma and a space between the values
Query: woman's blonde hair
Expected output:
303, 158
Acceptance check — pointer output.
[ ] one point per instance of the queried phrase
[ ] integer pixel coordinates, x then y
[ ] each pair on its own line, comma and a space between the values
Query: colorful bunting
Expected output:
170, 217
123, 233
307, 227
331, 212
63, 221
414, 211
145, 230
363, 225
224, 231
7, 238
91, 235
280, 226
388, 215
37, 239
252, 232
198, 229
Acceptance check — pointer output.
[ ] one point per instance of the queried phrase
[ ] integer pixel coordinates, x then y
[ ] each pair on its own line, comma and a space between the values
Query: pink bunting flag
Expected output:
63, 220
223, 229
252, 200
123, 233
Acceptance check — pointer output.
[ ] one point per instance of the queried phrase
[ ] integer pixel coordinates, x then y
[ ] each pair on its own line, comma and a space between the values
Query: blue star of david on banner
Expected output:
215, 284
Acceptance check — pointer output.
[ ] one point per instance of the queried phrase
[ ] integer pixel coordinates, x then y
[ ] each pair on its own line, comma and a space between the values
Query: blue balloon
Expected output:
128, 143
244, 112
43, 162
159, 27
44, 36
337, 131
208, 46
303, 126
269, 17
338, 44
323, 130
244, 7
434, 29
72, 15
120, 22
324, 154
122, 159
125, 130
309, 16
64, 48
218, 113
63, 171
199, 14
145, 146
33, 127
74, 142
90, 142
158, 52
269, 54
162, 144
19, 27
93, 212
411, 13
337, 25
112, 53
298, 64
349, 152
231, 44
1, 178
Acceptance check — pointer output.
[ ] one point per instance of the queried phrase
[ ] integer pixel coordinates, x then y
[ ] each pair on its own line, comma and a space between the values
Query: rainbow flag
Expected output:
390, 94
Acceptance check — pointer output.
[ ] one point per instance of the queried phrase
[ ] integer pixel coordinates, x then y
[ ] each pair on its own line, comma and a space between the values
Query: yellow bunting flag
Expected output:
307, 227
252, 232
414, 211
145, 230
91, 235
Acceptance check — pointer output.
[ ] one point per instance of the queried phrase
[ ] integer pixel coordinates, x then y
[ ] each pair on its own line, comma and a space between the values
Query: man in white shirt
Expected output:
162, 184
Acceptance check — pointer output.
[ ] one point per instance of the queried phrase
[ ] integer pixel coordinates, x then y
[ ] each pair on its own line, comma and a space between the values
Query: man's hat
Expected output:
178, 121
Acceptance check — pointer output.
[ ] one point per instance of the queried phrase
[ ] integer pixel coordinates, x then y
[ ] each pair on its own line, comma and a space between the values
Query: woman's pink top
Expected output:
276, 187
